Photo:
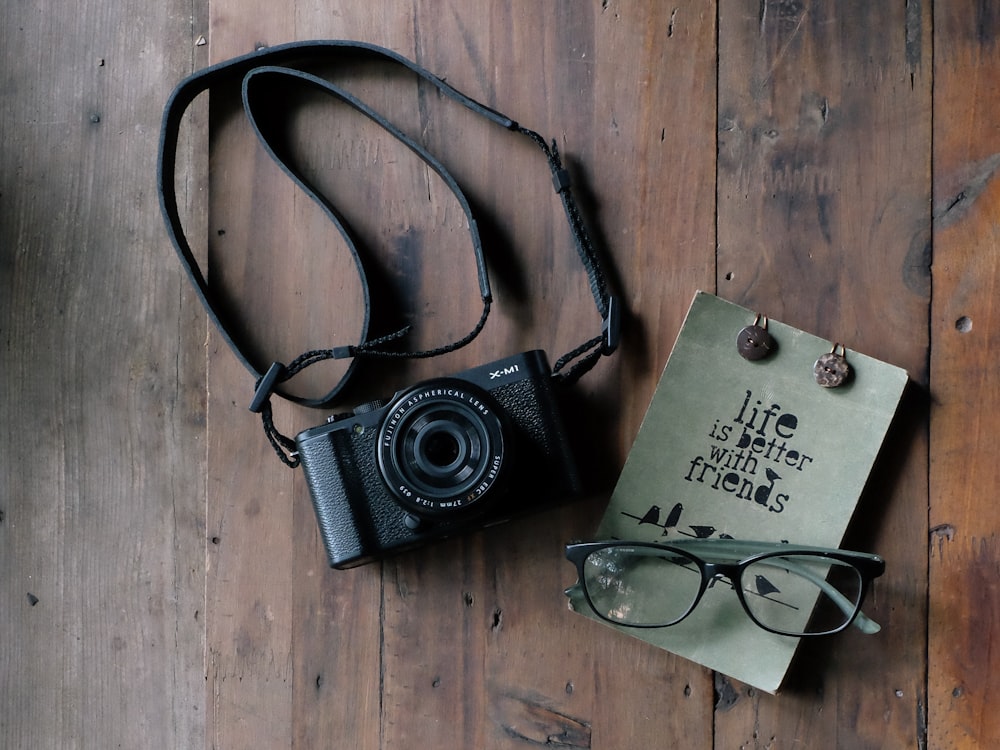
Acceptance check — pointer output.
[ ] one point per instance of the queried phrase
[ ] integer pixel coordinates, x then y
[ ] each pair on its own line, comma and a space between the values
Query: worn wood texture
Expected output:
964, 603
164, 584
102, 372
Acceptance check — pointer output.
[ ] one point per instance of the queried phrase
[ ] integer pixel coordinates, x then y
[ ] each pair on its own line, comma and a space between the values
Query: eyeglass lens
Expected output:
801, 594
641, 585
794, 594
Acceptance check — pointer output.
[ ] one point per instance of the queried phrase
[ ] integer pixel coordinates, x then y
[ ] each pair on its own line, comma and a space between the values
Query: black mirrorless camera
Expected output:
445, 456
448, 455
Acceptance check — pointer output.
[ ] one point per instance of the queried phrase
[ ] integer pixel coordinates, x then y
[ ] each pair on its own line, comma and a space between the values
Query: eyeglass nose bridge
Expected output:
721, 571
732, 573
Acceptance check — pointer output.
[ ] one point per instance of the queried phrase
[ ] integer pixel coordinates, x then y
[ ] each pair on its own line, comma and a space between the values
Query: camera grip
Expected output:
330, 490
545, 446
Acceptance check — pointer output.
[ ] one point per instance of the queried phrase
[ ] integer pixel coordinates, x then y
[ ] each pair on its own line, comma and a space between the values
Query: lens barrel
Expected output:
441, 447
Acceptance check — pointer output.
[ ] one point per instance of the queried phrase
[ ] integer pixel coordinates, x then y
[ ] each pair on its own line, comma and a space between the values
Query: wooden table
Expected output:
164, 585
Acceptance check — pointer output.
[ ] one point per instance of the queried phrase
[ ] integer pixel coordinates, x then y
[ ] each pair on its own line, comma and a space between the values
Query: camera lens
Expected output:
441, 447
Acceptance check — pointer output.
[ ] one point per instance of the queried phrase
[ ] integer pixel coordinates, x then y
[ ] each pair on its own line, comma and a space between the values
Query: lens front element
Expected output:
441, 447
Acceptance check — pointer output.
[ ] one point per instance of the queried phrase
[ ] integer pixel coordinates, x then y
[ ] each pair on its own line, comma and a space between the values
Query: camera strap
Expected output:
260, 72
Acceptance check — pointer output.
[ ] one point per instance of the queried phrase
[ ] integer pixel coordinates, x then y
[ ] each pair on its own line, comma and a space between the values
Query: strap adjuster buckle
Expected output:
265, 386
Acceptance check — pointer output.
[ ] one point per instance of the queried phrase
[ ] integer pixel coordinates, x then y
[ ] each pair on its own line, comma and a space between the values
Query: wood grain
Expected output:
964, 612
101, 388
164, 584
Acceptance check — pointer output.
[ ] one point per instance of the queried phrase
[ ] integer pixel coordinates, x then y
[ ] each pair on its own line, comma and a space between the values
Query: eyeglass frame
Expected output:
743, 554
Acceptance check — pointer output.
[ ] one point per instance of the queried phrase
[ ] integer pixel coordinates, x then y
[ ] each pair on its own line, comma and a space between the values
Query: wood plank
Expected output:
294, 648
475, 647
102, 387
964, 604
824, 179
519, 668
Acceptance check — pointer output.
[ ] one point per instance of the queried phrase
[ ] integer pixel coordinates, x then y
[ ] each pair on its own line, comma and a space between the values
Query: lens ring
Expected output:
441, 447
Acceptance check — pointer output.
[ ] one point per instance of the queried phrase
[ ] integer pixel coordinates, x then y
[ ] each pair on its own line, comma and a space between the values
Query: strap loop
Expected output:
283, 446
269, 70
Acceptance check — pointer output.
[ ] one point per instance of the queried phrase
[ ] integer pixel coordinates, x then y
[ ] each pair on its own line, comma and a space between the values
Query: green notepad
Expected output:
750, 450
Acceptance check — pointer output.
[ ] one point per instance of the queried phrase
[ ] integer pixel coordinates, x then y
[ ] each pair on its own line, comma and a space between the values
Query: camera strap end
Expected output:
265, 386
342, 352
560, 180
612, 330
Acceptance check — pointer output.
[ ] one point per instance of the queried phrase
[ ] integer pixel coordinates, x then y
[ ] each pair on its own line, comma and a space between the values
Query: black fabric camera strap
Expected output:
259, 72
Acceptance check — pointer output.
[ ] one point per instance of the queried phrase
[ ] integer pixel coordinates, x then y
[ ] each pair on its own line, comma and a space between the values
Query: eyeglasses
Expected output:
784, 589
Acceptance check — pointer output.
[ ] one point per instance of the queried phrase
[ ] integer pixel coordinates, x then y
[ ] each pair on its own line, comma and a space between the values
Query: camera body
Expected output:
445, 456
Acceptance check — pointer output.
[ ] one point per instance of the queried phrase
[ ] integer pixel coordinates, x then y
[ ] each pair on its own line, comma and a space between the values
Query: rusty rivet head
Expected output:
831, 369
754, 342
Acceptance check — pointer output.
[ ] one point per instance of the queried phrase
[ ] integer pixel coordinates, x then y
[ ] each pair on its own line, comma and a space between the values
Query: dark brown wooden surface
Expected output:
964, 601
102, 386
162, 581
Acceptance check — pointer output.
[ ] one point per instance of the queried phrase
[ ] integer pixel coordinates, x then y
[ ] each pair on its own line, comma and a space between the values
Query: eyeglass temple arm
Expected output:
736, 552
